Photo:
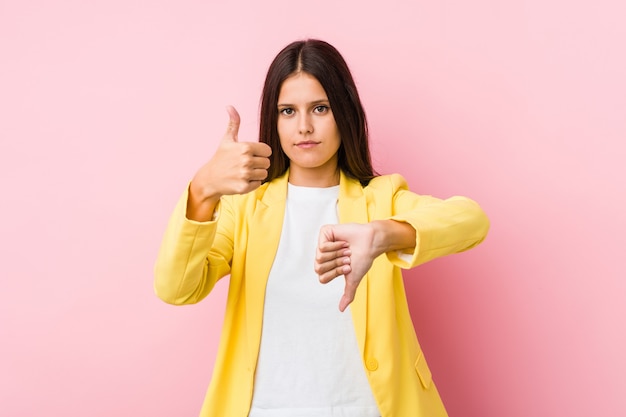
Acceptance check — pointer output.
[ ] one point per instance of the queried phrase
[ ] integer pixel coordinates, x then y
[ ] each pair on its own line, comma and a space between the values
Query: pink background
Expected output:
108, 107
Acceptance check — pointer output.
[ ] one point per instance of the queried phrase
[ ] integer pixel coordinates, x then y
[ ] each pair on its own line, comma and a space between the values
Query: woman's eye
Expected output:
320, 109
286, 112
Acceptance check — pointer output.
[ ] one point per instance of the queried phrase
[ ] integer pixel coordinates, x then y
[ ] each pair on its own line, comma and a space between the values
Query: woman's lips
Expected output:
307, 144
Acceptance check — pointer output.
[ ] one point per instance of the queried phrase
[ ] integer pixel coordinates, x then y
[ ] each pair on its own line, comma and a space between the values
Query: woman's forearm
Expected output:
392, 235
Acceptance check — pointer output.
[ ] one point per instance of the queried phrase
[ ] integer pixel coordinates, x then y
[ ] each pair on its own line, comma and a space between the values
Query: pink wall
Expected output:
108, 107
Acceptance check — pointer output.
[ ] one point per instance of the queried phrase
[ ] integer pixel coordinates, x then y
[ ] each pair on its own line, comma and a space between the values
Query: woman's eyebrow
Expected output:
311, 103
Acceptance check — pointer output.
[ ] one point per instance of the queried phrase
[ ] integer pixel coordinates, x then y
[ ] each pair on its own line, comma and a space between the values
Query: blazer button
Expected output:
371, 364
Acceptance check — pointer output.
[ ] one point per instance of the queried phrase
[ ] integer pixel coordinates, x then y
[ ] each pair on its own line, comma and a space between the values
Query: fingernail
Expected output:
347, 252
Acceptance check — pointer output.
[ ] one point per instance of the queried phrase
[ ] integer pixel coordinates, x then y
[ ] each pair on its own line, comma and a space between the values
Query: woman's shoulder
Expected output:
388, 181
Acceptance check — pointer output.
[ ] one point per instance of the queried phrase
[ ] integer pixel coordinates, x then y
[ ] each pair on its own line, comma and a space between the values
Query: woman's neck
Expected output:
314, 178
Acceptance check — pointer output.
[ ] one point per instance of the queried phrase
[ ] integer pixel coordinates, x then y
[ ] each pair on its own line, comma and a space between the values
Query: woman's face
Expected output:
308, 132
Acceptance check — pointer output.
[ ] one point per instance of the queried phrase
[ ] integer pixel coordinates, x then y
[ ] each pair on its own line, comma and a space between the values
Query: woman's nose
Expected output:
304, 125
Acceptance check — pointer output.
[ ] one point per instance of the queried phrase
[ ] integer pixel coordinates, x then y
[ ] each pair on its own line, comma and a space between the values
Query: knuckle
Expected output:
244, 172
243, 148
242, 187
246, 161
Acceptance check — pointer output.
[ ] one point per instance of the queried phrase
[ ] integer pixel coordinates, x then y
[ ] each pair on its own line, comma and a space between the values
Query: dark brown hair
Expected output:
325, 63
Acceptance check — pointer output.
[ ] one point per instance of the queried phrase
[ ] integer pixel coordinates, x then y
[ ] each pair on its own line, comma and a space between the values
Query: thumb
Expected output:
232, 131
348, 295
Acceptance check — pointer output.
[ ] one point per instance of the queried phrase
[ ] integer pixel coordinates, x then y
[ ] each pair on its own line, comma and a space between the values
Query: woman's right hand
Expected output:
235, 168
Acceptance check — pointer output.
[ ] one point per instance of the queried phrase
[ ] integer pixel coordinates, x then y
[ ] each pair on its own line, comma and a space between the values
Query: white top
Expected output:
309, 362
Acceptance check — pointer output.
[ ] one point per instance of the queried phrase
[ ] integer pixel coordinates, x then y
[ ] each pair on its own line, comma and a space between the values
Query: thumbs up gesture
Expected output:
235, 168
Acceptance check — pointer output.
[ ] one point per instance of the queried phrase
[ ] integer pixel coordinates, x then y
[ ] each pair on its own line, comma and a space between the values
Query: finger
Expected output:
325, 256
327, 239
326, 235
334, 272
260, 149
259, 162
337, 246
335, 264
258, 174
232, 131
252, 185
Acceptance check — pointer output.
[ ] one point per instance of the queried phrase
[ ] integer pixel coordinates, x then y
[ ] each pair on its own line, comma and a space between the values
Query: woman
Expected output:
301, 221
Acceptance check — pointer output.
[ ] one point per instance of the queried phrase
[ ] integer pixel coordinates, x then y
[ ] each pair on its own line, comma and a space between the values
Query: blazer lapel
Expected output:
264, 234
353, 209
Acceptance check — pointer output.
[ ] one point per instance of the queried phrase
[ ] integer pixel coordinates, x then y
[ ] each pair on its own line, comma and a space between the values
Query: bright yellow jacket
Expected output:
242, 242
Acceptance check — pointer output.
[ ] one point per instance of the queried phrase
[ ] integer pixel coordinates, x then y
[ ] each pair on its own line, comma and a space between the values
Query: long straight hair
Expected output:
322, 61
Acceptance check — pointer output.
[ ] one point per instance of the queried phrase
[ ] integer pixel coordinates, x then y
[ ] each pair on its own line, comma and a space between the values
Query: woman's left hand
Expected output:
348, 250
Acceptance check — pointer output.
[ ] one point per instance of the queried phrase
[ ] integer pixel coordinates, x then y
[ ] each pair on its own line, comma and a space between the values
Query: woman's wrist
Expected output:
201, 204
390, 235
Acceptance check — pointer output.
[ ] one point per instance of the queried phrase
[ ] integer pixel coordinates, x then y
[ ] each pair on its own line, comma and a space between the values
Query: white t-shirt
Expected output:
309, 362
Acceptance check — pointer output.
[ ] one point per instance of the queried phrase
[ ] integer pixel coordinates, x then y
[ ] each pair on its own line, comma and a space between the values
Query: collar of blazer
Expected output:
350, 192
264, 234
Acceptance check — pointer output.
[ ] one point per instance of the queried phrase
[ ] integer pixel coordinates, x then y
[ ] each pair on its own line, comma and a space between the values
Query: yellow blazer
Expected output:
242, 242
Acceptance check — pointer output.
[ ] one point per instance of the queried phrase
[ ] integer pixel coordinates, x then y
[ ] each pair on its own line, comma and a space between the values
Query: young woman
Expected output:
300, 221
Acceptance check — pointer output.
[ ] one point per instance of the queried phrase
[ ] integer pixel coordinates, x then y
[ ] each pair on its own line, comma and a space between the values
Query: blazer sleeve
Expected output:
193, 255
443, 227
